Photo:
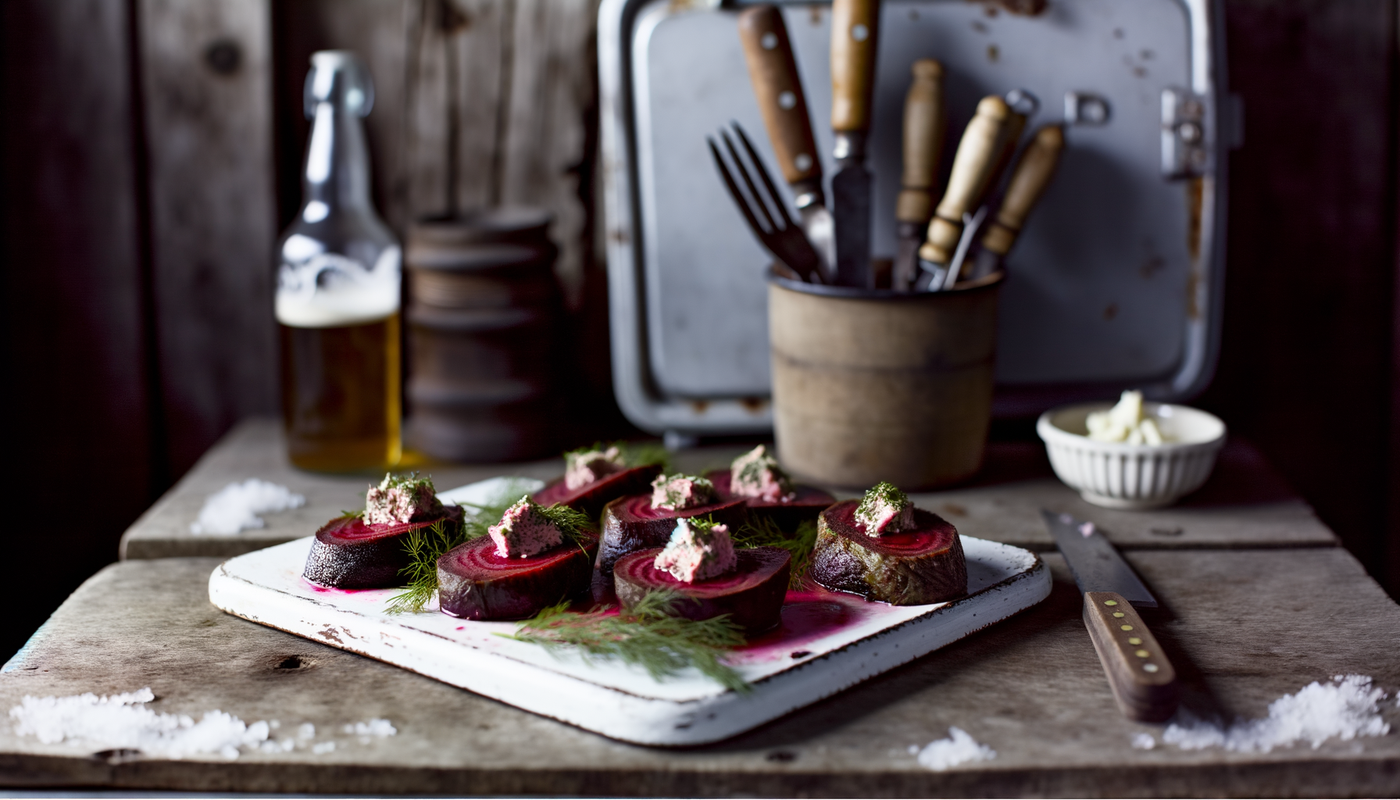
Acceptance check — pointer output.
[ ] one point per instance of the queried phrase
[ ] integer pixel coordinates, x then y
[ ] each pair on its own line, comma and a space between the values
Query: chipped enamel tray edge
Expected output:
663, 384
789, 668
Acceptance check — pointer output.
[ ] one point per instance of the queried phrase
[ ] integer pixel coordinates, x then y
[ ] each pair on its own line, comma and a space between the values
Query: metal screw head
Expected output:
1189, 132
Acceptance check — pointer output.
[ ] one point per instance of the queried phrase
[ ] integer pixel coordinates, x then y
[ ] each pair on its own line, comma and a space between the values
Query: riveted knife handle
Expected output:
855, 27
1143, 680
977, 154
923, 142
778, 88
1033, 173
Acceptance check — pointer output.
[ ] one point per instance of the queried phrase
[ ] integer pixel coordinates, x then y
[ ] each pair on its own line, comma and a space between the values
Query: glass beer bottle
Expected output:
338, 289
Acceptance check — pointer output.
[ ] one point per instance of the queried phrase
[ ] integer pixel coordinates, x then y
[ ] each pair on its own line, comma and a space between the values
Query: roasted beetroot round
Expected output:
348, 554
590, 499
752, 594
809, 502
631, 524
476, 583
925, 565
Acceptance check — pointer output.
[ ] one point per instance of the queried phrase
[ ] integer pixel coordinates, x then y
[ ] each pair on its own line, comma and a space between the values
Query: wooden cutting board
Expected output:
827, 642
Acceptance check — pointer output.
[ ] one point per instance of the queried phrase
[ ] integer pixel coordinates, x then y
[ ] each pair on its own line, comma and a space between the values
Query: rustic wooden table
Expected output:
1258, 602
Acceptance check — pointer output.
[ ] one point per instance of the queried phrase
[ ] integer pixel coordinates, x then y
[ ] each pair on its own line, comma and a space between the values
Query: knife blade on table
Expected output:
1143, 680
854, 36
981, 146
1033, 172
924, 125
778, 87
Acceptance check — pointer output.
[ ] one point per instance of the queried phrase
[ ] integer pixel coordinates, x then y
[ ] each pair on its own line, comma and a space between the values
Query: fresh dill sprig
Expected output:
570, 522
761, 531
648, 636
425, 546
351, 514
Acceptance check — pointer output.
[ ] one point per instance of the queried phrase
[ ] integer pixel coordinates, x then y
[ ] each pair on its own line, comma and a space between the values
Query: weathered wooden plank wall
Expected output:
206, 74
1305, 365
82, 458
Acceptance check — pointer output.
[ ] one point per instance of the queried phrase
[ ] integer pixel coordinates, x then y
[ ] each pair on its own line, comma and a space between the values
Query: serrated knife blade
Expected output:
1095, 562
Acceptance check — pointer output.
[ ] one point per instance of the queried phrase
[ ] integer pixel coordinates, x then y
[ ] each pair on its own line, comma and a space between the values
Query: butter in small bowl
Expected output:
1133, 455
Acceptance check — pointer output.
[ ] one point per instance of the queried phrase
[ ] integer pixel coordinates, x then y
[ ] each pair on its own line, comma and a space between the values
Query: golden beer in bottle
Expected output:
338, 290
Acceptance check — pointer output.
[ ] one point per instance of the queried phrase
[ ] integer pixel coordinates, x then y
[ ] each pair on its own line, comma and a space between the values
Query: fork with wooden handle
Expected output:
778, 88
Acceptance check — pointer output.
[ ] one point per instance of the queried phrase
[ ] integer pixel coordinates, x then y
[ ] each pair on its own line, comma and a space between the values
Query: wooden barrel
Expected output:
482, 321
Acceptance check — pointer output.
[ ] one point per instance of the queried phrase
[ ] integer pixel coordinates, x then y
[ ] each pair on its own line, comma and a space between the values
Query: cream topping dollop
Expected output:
698, 550
757, 474
1127, 422
884, 509
679, 492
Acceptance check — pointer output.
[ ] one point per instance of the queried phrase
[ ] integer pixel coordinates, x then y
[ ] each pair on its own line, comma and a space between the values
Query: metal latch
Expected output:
1184, 150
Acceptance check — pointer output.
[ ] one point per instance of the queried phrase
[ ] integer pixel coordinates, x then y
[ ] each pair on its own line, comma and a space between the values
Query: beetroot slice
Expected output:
348, 554
925, 565
809, 502
476, 583
590, 499
631, 524
752, 594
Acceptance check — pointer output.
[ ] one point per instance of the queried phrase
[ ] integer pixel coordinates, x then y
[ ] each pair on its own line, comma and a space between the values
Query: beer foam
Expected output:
331, 290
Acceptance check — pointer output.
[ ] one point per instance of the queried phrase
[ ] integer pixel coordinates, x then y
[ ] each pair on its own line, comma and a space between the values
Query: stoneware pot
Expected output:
872, 385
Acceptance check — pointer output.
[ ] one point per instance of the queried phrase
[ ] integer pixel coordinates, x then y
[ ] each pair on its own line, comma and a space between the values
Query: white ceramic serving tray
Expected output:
826, 643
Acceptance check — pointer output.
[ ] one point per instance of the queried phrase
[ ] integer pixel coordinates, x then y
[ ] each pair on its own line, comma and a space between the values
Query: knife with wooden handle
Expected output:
855, 26
1142, 679
777, 86
1033, 173
978, 151
924, 125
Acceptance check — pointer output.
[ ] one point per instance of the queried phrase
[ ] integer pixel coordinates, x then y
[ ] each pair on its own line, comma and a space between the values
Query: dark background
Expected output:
130, 272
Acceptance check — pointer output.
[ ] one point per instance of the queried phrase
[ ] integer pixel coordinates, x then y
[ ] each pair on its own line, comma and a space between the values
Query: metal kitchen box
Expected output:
1115, 282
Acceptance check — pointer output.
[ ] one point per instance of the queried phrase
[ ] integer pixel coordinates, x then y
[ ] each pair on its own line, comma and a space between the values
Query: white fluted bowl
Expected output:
1133, 476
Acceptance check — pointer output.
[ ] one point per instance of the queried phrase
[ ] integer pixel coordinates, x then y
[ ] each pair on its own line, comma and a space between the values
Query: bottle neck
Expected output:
337, 161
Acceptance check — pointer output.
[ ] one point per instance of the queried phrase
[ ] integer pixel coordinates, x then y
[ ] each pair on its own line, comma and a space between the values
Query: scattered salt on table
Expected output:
122, 721
1345, 708
960, 748
236, 507
374, 727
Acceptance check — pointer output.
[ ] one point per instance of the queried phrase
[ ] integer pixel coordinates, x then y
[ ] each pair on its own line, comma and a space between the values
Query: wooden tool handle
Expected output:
923, 142
1143, 680
855, 26
1032, 175
778, 88
1015, 126
977, 153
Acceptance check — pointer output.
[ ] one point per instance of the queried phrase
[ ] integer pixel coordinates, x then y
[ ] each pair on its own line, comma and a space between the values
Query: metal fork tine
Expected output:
734, 189
773, 193
748, 181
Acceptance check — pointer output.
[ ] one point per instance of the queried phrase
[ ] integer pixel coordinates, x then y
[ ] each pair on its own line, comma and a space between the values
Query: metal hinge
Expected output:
1185, 153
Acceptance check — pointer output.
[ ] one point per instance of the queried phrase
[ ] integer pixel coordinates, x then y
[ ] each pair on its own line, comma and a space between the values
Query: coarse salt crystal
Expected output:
236, 507
1345, 708
123, 721
959, 748
374, 727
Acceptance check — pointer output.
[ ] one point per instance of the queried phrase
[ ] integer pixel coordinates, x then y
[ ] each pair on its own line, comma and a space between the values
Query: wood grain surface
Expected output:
1243, 628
